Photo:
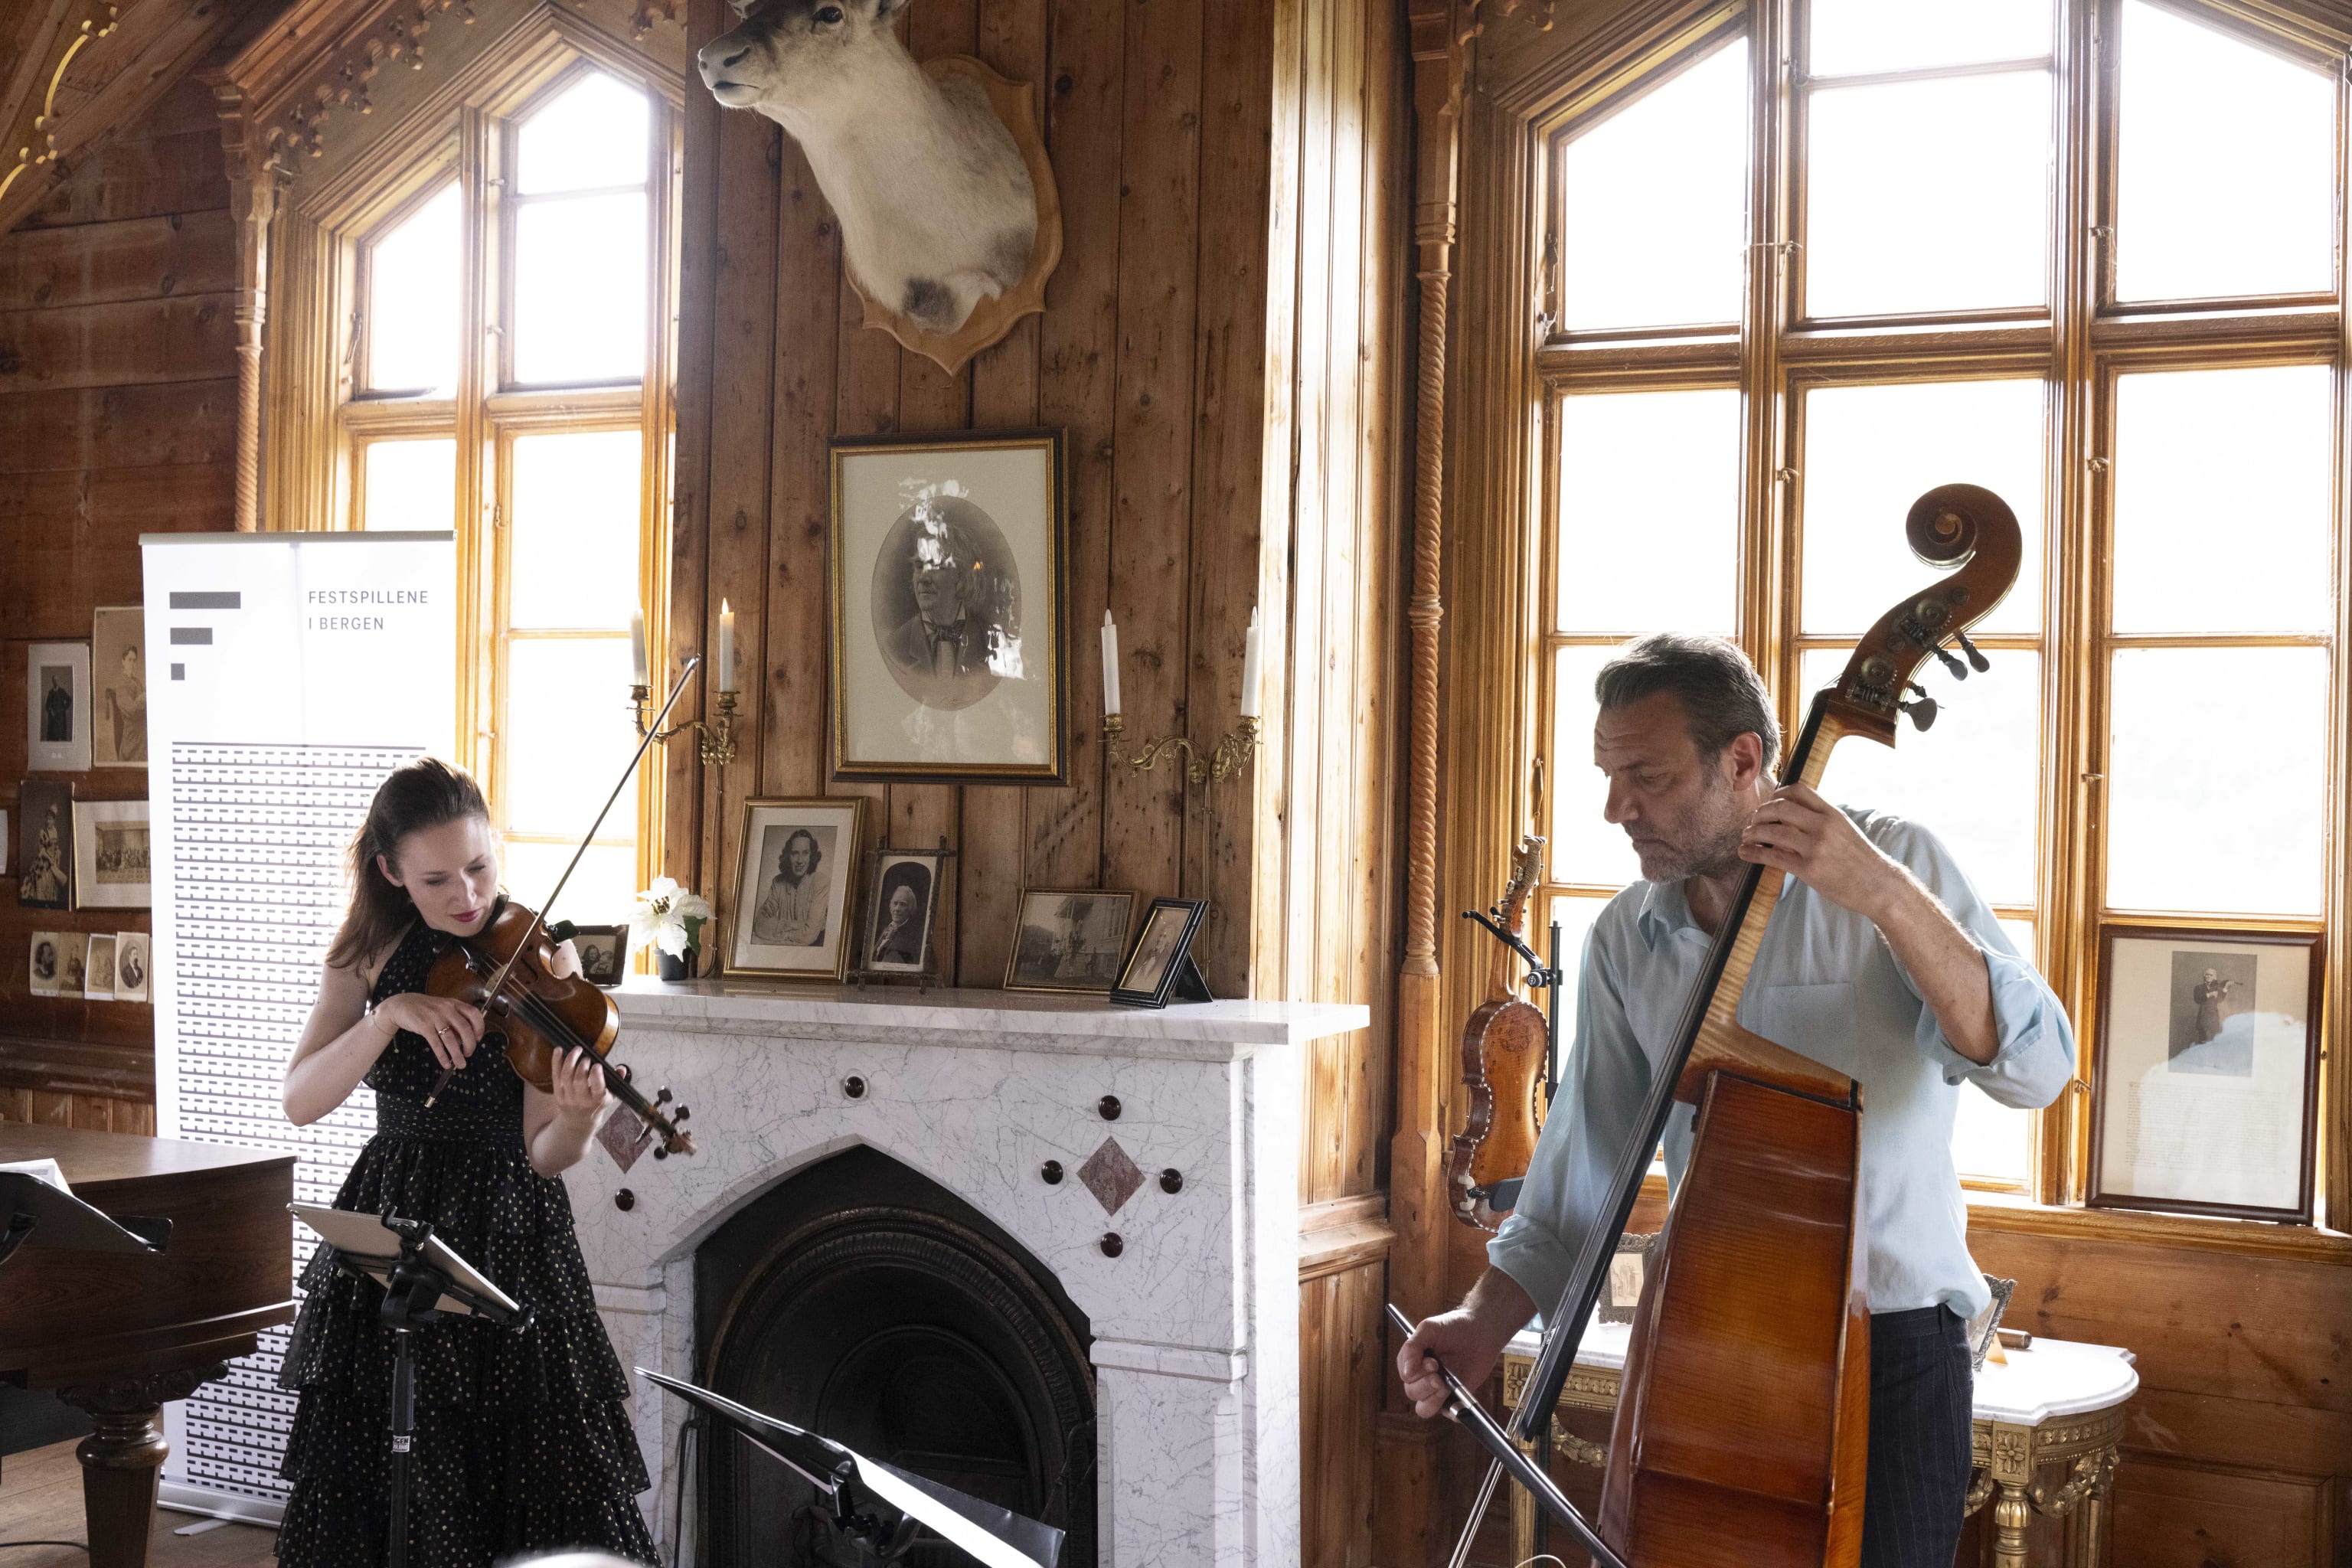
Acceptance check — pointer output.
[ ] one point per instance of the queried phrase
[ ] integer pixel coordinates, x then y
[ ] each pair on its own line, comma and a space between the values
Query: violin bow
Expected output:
539, 915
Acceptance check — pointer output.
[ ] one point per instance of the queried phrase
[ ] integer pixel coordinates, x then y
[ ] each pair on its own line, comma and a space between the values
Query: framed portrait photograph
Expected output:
45, 848
73, 951
56, 707
133, 952
798, 864
46, 964
2208, 1077
117, 683
97, 969
950, 622
604, 952
110, 854
1069, 938
1159, 966
902, 900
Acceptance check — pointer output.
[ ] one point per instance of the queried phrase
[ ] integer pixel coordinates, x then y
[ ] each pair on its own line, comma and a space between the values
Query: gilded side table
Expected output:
2056, 1403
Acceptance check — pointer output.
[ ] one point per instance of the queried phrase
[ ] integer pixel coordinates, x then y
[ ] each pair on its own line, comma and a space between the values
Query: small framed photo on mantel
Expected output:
1160, 968
797, 865
902, 906
2207, 1096
1069, 938
949, 625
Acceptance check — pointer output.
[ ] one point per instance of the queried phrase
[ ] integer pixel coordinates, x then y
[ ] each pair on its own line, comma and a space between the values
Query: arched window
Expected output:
1825, 253
497, 284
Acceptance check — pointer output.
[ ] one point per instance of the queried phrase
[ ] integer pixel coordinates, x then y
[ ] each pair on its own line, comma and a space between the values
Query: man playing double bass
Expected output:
1880, 961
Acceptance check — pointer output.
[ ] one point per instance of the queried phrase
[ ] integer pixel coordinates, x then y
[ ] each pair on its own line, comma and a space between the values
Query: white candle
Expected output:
1110, 666
637, 644
725, 647
1251, 669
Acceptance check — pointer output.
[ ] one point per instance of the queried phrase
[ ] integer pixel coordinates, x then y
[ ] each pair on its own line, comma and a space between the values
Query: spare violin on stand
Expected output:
1510, 1052
1741, 1436
507, 969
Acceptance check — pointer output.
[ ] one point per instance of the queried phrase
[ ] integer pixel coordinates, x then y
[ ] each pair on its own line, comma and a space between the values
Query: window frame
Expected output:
2075, 345
319, 421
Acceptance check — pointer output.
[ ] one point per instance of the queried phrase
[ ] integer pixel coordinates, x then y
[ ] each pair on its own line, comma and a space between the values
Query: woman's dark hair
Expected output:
420, 794
785, 858
1721, 694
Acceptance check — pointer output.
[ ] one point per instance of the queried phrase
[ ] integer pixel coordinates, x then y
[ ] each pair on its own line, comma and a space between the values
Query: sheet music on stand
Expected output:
287, 674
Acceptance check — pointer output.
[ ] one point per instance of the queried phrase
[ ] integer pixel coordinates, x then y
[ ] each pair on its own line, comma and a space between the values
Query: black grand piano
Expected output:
118, 1334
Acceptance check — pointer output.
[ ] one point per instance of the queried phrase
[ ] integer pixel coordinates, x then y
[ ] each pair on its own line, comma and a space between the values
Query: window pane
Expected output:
412, 304
2215, 778
2222, 501
1575, 916
580, 289
1989, 1139
567, 735
594, 134
1654, 204
574, 555
1649, 511
1870, 451
603, 891
2226, 172
1584, 849
1985, 815
1928, 195
1851, 36
408, 484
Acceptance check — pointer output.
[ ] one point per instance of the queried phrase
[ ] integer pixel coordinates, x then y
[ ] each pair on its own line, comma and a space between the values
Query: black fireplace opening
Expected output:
863, 1300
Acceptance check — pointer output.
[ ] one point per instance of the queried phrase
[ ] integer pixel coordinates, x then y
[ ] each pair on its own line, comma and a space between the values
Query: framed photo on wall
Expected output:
797, 864
45, 853
2208, 1056
110, 854
902, 904
950, 625
133, 952
118, 681
1069, 938
56, 707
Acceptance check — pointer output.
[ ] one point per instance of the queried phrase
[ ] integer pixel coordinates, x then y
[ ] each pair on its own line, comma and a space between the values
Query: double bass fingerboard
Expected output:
256, 886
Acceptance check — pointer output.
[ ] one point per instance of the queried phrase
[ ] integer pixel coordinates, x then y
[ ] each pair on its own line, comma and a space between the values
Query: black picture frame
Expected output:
2127, 1050
884, 952
44, 874
1159, 967
614, 941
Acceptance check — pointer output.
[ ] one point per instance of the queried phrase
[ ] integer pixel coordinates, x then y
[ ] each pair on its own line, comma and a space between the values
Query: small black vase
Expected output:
674, 968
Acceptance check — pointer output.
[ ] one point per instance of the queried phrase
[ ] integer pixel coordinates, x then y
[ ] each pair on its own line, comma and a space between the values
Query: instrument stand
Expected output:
418, 1291
1542, 976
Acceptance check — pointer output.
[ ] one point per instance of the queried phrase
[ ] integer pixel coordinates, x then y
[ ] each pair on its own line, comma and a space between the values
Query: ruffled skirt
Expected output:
522, 1439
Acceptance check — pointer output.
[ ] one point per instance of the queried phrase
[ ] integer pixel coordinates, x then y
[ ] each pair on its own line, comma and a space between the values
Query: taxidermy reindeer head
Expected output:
936, 206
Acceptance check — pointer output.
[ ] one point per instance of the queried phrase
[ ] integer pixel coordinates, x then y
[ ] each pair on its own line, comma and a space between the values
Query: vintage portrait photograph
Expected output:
899, 910
56, 707
45, 848
1158, 961
2207, 1087
118, 678
110, 854
797, 869
949, 622
604, 952
73, 951
97, 969
47, 961
1069, 940
131, 951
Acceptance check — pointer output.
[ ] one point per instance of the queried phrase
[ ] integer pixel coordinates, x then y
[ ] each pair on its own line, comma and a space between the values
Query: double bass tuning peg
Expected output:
1951, 662
1977, 661
1921, 713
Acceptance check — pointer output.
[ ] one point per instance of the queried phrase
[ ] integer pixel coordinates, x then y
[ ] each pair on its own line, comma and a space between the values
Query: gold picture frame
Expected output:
1031, 934
769, 918
949, 612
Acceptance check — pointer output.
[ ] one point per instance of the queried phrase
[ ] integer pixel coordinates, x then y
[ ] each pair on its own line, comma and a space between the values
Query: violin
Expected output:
1506, 1058
507, 969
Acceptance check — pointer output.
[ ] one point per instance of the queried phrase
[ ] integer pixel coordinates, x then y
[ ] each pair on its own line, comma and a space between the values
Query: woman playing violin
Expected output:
523, 1440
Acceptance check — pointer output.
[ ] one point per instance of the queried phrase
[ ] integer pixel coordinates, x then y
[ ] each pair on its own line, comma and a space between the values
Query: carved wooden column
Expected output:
254, 178
121, 1459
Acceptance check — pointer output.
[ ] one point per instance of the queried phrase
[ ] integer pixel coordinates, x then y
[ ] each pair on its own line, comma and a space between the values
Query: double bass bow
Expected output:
1742, 1427
505, 970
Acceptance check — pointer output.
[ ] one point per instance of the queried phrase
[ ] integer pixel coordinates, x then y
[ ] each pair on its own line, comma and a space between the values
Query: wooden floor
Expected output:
41, 1499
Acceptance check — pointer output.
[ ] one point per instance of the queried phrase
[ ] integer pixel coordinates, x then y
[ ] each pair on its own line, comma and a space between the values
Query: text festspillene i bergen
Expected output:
360, 596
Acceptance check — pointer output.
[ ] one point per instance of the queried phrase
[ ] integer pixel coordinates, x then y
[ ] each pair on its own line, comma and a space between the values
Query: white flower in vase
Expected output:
671, 918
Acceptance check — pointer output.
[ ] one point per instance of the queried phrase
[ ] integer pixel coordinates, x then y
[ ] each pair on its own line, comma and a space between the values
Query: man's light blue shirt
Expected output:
1824, 984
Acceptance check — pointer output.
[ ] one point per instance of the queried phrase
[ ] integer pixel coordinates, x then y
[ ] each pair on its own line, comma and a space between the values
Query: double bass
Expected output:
1741, 1435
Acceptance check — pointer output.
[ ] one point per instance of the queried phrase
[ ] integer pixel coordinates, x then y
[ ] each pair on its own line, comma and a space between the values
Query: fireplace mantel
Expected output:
1194, 1305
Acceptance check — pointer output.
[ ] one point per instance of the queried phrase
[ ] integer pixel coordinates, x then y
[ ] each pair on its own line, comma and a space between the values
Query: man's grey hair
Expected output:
1721, 694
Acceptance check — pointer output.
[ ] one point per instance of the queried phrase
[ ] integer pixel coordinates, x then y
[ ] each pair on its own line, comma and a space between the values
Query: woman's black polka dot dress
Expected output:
523, 1440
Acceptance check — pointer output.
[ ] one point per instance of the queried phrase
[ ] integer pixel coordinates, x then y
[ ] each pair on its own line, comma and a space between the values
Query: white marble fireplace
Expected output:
1195, 1318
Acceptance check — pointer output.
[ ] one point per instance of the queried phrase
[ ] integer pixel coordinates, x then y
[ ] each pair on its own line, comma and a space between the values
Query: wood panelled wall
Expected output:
118, 378
1222, 345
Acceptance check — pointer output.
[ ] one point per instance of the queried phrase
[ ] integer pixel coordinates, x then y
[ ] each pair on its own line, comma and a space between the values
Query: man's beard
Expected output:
1703, 842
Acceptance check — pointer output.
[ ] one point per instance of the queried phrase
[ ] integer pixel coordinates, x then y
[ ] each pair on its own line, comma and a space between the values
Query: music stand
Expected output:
423, 1280
997, 1537
52, 1219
